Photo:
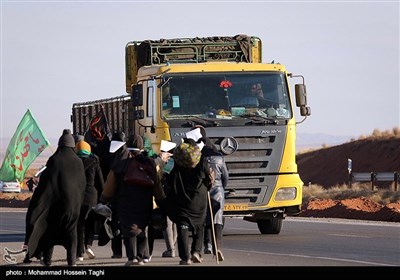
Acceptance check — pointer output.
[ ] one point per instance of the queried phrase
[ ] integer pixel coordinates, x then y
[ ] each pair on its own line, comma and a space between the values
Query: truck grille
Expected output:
253, 169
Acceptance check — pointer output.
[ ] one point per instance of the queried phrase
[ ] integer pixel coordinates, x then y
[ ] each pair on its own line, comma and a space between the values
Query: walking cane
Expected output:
212, 226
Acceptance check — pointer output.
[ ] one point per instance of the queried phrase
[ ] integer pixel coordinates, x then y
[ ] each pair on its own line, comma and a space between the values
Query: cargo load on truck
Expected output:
239, 48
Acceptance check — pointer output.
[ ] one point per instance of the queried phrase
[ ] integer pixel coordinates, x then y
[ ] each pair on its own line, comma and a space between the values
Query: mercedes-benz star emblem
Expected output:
229, 145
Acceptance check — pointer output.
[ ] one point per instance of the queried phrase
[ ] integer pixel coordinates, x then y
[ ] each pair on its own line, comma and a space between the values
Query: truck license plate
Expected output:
236, 207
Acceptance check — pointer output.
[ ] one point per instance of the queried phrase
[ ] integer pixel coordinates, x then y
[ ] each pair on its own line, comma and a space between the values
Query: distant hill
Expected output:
305, 141
328, 166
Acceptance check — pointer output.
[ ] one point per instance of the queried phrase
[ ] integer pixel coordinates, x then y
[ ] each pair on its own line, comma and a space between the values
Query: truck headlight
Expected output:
285, 194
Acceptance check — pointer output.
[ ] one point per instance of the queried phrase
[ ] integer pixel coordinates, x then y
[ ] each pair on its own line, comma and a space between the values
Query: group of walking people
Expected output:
79, 178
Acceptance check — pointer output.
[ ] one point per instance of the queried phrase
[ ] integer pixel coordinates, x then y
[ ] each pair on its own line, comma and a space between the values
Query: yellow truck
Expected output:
245, 105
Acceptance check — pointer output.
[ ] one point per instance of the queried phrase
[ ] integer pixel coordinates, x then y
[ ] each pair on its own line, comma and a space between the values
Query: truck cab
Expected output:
245, 106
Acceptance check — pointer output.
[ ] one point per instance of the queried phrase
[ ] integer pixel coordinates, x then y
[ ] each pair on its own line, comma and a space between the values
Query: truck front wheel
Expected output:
270, 226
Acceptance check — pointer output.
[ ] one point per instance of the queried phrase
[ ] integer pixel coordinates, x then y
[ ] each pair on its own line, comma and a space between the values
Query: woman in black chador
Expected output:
53, 212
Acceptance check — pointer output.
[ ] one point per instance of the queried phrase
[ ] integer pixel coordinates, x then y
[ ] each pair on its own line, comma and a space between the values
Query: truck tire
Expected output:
270, 226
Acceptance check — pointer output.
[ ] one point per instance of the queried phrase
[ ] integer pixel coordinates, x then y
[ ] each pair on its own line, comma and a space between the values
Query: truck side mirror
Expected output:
137, 95
301, 99
305, 111
301, 95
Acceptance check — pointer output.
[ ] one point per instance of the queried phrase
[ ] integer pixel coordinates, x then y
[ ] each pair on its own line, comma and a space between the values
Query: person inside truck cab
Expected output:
256, 90
249, 98
265, 99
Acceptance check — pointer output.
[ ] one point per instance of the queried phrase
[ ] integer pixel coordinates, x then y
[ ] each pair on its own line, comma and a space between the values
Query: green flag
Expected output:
26, 144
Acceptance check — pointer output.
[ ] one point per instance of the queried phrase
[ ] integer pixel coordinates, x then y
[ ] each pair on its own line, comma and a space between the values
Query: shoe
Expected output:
187, 262
79, 259
45, 263
140, 262
90, 253
168, 254
146, 260
196, 258
207, 248
131, 262
220, 256
26, 259
116, 256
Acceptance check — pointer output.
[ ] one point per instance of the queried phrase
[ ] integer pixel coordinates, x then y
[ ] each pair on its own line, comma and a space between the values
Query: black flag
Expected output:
98, 130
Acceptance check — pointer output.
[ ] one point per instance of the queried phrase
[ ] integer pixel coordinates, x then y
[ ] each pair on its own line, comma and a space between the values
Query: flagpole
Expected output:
51, 149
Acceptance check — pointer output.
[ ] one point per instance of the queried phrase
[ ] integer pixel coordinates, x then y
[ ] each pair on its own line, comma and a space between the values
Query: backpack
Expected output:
140, 172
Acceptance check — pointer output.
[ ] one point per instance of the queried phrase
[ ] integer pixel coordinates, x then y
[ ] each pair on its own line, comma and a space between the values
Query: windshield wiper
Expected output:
257, 119
202, 121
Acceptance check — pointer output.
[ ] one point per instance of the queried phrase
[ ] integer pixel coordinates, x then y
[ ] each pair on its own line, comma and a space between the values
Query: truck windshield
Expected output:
226, 96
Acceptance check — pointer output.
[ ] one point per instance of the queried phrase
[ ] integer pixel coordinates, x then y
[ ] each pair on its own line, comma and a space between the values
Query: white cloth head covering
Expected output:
115, 145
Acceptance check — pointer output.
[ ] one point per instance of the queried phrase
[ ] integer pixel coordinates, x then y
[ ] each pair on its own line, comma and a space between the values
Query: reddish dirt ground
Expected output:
13, 200
356, 208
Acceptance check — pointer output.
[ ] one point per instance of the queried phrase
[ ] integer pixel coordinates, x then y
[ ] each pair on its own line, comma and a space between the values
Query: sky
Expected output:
56, 53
